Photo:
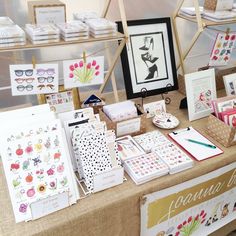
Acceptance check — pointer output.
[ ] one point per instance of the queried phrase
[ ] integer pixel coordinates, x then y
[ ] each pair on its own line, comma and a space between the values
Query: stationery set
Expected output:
168, 152
42, 33
101, 27
73, 30
36, 162
10, 33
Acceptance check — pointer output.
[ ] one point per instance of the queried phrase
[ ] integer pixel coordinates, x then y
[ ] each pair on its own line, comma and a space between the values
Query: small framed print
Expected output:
200, 90
63, 101
148, 60
230, 84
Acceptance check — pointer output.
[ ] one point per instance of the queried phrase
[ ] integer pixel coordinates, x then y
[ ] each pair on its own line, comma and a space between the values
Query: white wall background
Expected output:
135, 9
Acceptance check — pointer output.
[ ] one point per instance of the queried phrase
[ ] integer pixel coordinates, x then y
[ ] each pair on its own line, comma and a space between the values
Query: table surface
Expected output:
115, 211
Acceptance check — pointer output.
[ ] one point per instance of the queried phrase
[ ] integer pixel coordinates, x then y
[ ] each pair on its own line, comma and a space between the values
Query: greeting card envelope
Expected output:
195, 143
37, 165
73, 27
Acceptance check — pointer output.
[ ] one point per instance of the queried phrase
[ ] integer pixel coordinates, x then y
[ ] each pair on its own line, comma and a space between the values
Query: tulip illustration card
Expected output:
37, 165
26, 80
78, 73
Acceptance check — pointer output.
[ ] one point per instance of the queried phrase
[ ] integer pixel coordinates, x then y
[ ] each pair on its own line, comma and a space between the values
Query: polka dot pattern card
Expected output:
145, 168
171, 154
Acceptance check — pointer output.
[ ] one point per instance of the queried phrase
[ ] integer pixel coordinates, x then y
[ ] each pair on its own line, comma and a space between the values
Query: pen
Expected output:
201, 143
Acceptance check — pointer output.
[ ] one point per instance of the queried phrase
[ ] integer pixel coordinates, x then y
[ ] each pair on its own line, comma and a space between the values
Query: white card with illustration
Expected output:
78, 73
26, 80
200, 90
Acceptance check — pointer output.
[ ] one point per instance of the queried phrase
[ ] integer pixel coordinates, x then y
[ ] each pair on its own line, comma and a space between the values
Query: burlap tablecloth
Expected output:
115, 211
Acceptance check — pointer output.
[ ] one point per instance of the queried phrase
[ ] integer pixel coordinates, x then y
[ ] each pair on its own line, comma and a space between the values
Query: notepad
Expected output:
195, 143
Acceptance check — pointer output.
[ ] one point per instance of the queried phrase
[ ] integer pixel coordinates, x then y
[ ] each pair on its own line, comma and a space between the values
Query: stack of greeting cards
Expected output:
73, 30
85, 15
145, 167
95, 152
36, 162
10, 33
39, 34
101, 27
172, 155
225, 109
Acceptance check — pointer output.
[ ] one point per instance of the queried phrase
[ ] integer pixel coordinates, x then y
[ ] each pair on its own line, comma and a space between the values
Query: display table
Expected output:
115, 211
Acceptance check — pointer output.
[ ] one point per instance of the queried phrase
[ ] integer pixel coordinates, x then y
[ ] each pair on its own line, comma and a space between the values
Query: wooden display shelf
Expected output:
206, 22
201, 24
29, 45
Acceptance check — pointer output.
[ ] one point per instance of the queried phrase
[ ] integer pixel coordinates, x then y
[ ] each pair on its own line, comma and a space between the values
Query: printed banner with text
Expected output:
196, 207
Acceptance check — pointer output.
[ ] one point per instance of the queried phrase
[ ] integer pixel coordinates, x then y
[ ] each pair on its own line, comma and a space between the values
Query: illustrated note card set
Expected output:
80, 73
145, 167
171, 154
26, 80
37, 166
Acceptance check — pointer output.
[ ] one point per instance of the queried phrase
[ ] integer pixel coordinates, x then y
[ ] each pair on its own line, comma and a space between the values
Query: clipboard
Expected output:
195, 144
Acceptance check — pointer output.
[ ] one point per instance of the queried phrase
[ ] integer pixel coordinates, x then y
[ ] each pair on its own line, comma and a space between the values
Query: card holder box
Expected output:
221, 132
117, 125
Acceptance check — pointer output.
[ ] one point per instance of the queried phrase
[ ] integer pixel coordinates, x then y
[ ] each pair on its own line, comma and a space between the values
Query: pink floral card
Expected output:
78, 73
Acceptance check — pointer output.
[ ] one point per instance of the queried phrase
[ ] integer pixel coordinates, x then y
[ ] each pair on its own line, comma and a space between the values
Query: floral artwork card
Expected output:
37, 165
200, 90
26, 80
78, 73
222, 49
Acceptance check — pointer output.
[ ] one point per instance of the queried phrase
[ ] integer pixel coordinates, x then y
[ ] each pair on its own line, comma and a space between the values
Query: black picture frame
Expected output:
149, 67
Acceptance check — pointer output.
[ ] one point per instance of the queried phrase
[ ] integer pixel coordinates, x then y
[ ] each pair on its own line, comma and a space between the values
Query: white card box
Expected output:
39, 30
73, 27
101, 24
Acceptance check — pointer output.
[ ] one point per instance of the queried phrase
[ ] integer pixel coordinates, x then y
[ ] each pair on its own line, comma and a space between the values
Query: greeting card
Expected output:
91, 151
26, 80
78, 73
222, 49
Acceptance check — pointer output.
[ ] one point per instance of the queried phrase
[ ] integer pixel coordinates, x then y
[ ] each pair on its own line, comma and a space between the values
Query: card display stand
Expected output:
220, 131
103, 181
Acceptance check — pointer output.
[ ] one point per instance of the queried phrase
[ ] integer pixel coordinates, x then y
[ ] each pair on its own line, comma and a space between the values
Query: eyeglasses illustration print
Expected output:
42, 86
49, 71
28, 87
20, 73
48, 79
22, 80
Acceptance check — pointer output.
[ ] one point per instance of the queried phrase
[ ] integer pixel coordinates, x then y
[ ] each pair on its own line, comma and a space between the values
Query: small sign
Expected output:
108, 179
128, 126
49, 205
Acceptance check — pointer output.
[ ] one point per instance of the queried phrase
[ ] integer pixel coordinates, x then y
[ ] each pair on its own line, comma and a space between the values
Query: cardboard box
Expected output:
133, 126
218, 5
221, 132
44, 12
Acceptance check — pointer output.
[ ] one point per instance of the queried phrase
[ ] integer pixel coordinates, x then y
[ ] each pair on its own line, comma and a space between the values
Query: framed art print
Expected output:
230, 84
200, 90
148, 59
63, 101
